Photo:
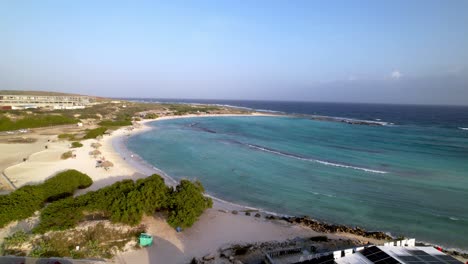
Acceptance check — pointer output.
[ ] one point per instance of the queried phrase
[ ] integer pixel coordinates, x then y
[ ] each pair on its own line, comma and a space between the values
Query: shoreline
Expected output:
127, 167
227, 206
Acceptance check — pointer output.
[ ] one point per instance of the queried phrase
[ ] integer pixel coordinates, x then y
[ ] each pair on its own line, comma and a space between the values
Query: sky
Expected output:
409, 52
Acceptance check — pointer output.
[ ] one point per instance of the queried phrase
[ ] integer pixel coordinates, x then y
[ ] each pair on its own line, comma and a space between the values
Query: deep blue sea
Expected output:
409, 177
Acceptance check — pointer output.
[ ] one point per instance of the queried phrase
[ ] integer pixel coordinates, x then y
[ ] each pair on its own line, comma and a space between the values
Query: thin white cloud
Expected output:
396, 75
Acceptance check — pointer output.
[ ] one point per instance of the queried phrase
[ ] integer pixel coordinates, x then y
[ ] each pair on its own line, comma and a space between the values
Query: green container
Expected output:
145, 240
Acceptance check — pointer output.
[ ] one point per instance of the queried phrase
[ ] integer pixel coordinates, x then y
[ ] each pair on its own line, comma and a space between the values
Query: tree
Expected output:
187, 204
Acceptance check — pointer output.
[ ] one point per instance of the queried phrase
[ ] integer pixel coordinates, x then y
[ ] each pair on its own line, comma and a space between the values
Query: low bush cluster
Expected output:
76, 144
23, 202
151, 116
67, 155
117, 123
126, 202
67, 136
94, 133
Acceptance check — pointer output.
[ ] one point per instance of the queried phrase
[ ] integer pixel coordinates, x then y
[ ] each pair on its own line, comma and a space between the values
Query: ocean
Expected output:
407, 177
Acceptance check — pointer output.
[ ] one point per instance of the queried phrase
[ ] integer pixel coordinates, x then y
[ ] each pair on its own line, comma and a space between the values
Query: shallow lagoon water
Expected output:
403, 179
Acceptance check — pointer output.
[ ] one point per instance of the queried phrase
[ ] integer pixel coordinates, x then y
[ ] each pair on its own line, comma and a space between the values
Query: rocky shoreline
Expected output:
331, 228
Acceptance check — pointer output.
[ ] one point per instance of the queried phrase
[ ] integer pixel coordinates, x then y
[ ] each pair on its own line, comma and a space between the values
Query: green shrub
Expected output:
65, 184
76, 144
94, 133
23, 202
66, 136
187, 204
117, 123
67, 155
126, 202
151, 116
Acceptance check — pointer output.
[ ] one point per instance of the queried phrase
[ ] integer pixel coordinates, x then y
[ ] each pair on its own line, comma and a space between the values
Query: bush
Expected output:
23, 202
151, 116
126, 202
76, 144
94, 133
66, 136
67, 155
187, 204
117, 123
65, 184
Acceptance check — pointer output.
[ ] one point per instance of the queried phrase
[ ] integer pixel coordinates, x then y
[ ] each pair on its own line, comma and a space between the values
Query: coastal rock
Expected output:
209, 257
247, 213
332, 228
271, 217
227, 253
195, 261
258, 215
235, 212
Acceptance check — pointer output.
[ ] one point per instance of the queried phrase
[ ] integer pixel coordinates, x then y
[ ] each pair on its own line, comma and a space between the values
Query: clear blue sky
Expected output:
357, 51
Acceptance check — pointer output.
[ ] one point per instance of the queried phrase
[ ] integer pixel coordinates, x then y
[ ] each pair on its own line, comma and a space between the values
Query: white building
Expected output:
36, 101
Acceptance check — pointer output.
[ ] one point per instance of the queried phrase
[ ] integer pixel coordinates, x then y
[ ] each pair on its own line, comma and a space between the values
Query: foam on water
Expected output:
327, 163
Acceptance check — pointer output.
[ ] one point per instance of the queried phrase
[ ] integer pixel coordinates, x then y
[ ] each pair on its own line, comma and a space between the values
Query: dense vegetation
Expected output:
94, 133
151, 116
187, 203
126, 202
116, 123
23, 202
33, 121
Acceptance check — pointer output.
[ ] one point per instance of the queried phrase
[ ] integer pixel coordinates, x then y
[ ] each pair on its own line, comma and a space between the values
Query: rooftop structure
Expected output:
404, 251
37, 101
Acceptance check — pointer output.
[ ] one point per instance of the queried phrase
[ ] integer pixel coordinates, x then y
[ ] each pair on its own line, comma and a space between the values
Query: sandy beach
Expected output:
215, 228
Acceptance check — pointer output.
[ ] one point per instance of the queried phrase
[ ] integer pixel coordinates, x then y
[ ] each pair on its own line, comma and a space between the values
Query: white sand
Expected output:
213, 230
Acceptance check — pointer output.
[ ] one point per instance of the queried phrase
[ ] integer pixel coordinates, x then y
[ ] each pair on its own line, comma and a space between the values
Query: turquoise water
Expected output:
407, 180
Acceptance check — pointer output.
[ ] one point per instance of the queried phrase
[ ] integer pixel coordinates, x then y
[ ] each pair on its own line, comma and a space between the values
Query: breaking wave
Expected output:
327, 163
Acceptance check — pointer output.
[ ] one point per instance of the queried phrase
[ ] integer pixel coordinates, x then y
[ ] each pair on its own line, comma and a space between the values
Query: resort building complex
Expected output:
44, 101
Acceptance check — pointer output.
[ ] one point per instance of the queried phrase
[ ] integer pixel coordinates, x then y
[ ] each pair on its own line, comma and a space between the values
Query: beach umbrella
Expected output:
107, 164
96, 145
95, 152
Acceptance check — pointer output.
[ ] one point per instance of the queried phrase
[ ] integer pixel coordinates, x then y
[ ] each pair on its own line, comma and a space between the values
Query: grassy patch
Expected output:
97, 240
33, 121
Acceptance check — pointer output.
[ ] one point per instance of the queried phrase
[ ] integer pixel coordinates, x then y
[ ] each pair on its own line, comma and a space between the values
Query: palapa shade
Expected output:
95, 152
96, 145
107, 164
